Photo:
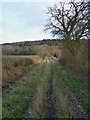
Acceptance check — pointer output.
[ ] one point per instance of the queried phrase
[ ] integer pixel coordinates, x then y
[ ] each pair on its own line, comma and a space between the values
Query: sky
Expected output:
24, 20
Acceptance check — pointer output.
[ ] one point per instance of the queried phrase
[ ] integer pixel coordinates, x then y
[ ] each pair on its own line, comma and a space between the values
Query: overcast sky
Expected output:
22, 20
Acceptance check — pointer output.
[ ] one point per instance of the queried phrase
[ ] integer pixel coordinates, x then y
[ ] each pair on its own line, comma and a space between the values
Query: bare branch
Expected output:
72, 22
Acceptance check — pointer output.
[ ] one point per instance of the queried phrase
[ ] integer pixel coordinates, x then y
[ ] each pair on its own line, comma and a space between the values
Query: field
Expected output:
45, 80
15, 66
20, 56
41, 89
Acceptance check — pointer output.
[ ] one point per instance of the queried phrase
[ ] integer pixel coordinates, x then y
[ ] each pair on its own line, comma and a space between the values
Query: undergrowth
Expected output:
16, 101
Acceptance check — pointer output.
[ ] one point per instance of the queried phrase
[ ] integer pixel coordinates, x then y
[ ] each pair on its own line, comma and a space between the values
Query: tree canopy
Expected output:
69, 19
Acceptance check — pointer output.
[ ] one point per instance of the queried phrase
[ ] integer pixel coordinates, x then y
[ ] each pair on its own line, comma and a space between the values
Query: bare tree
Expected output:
69, 20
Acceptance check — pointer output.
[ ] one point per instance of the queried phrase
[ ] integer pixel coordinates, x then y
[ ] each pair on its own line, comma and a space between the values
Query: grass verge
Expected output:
16, 101
13, 68
79, 88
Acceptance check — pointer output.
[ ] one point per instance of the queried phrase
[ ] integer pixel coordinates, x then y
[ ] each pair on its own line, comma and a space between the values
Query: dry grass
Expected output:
77, 64
17, 100
40, 106
14, 67
64, 111
38, 103
36, 60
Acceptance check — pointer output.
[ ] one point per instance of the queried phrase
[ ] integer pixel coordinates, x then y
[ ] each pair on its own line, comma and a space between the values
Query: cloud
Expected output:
33, 34
30, 0
22, 21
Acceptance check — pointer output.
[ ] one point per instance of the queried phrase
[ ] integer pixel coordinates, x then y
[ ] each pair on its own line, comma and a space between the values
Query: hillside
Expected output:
38, 42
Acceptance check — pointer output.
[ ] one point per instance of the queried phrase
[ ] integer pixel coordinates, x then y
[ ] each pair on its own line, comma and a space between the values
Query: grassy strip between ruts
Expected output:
21, 56
16, 101
79, 88
63, 109
40, 107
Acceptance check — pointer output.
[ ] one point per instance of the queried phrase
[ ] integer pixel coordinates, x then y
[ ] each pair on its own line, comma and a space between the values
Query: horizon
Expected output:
29, 41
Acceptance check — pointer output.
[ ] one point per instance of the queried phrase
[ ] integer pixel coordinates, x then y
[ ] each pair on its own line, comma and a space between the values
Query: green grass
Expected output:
40, 109
79, 88
21, 56
63, 109
46, 89
0, 107
62, 103
16, 101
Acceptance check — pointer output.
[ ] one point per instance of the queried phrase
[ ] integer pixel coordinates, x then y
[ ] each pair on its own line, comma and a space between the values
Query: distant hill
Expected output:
33, 43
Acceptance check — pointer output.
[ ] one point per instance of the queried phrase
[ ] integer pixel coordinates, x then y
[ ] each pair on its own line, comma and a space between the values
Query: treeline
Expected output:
41, 50
38, 42
73, 57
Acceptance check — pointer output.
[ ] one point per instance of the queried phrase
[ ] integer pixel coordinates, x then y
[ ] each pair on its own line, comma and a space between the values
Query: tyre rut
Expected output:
74, 104
51, 99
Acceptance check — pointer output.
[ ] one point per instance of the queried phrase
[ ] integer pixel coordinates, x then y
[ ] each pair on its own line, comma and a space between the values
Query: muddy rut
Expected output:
74, 104
51, 99
38, 95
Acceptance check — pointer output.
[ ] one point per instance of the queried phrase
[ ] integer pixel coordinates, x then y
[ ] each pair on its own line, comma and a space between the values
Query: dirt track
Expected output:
43, 102
52, 100
52, 109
